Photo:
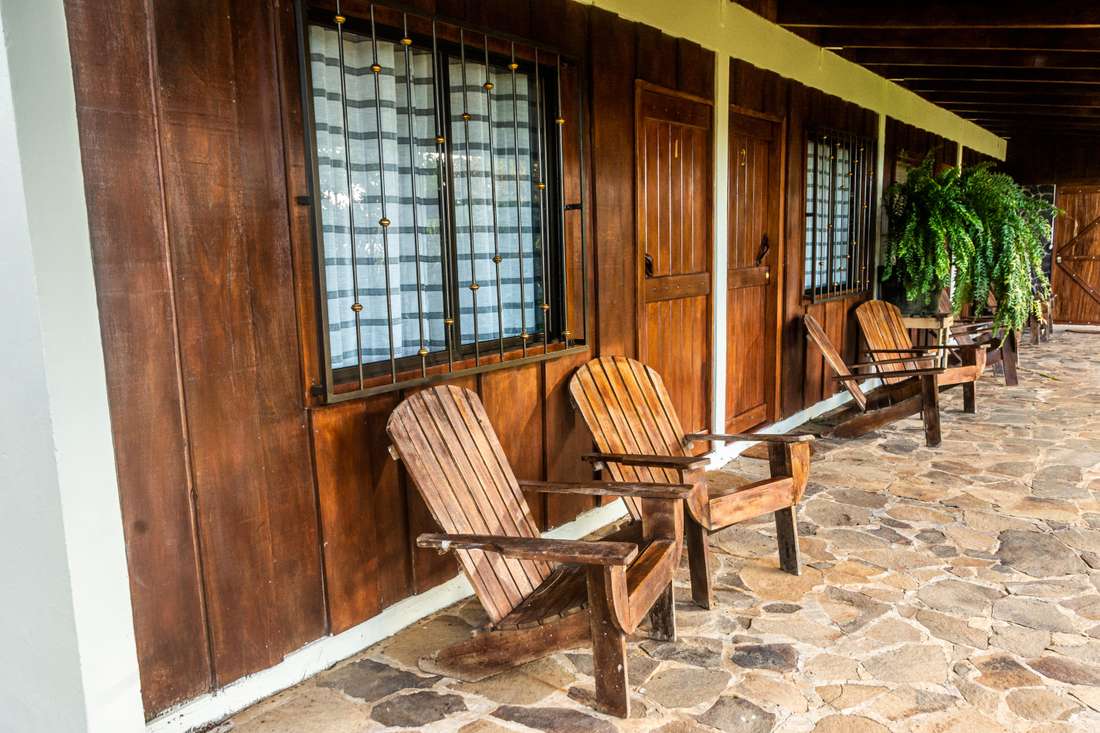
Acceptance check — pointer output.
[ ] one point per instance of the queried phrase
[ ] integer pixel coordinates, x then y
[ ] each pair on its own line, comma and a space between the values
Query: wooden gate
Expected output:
673, 179
1076, 271
755, 251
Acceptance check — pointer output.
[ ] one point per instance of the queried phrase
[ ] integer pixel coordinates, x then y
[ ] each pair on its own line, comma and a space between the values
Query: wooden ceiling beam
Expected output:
991, 75
938, 14
1007, 89
1004, 39
975, 58
993, 98
1065, 114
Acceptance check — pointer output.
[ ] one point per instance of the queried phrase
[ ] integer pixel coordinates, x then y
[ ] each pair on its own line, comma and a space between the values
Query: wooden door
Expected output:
1075, 274
673, 139
755, 253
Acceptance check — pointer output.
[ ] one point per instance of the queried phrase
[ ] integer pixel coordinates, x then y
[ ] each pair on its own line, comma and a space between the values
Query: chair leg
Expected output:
930, 410
1009, 359
970, 402
786, 530
662, 617
608, 651
698, 561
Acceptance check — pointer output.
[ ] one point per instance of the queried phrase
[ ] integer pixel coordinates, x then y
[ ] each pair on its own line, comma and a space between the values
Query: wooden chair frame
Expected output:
914, 390
1001, 348
541, 595
639, 437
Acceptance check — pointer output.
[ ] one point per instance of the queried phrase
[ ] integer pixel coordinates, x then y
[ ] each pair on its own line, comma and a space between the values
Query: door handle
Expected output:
649, 266
763, 252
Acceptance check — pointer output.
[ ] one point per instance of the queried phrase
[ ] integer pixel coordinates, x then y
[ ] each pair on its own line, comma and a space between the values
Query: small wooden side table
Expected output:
941, 324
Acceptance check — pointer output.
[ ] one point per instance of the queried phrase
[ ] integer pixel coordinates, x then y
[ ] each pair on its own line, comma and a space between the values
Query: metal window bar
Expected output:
844, 272
383, 222
336, 391
523, 335
541, 186
443, 170
356, 306
497, 259
474, 287
406, 43
830, 247
813, 228
559, 121
581, 208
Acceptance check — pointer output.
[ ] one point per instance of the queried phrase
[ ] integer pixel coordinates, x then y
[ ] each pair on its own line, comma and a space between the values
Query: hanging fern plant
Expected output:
1007, 255
930, 223
984, 225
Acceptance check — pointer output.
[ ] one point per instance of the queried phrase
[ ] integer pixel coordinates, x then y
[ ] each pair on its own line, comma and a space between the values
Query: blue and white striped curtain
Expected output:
517, 217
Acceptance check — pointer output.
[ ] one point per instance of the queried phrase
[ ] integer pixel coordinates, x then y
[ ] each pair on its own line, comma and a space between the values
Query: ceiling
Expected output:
1016, 68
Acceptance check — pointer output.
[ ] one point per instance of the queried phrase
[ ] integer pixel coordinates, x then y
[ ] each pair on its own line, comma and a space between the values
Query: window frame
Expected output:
862, 215
457, 358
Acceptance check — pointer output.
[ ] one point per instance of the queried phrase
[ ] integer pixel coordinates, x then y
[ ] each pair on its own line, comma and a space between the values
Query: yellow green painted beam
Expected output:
730, 29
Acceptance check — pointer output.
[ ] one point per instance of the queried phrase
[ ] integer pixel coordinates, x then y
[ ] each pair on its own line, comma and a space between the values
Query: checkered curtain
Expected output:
517, 220
821, 169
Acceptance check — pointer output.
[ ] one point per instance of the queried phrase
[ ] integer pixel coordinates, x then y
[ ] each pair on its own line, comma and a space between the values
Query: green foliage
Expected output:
927, 215
981, 222
1007, 260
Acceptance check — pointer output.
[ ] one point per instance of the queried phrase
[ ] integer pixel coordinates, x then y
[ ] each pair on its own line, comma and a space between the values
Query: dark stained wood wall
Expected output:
909, 144
258, 519
1060, 159
803, 379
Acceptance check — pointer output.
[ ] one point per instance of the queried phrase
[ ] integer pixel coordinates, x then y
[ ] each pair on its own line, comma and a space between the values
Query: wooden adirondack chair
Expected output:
639, 437
1000, 348
541, 595
908, 392
891, 350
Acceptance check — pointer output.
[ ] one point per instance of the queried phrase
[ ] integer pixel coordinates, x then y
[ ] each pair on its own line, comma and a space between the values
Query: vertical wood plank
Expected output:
363, 512
228, 233
612, 64
567, 437
116, 117
514, 403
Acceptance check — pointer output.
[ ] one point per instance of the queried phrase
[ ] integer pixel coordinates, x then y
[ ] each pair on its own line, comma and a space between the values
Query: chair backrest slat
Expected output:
883, 329
628, 410
452, 454
833, 358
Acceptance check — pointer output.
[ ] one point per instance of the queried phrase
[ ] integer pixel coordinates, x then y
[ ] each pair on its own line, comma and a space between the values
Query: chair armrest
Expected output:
753, 437
684, 463
611, 488
889, 375
574, 552
881, 362
914, 350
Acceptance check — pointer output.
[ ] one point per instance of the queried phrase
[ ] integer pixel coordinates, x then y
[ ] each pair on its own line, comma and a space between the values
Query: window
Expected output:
437, 170
839, 214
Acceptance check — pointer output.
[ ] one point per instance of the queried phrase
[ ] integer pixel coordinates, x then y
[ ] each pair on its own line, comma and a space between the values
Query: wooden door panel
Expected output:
674, 246
1075, 275
755, 240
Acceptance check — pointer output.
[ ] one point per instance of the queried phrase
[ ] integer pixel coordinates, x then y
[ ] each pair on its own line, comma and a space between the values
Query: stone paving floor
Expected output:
943, 590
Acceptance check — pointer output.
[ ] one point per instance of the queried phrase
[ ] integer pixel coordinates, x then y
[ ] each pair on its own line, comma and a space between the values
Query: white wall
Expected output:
69, 662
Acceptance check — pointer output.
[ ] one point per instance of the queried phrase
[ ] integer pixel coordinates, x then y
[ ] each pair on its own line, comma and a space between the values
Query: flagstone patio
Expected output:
953, 589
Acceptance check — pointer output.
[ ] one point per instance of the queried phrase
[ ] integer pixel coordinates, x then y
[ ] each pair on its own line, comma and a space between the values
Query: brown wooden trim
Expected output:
750, 112
517, 360
743, 277
648, 86
672, 287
